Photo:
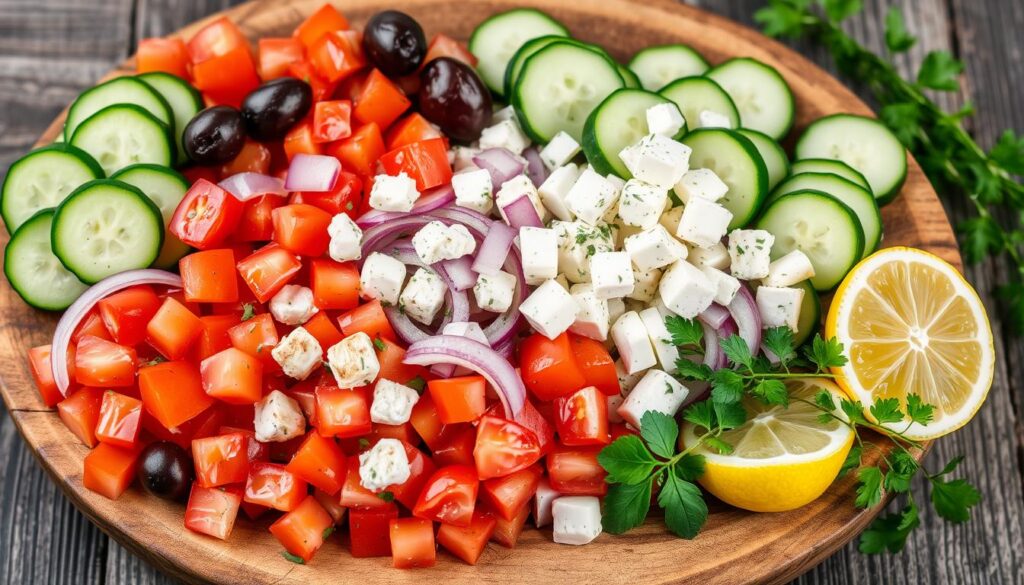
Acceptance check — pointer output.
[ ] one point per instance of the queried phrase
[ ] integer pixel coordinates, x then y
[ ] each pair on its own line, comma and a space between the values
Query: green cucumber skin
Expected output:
62, 147
591, 143
14, 280
760, 168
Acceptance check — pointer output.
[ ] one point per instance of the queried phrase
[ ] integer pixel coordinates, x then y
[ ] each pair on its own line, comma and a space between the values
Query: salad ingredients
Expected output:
215, 135
394, 42
165, 470
272, 109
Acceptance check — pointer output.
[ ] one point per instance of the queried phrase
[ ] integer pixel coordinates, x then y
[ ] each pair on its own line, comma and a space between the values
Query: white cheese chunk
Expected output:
641, 205
652, 248
542, 501
555, 188
385, 464
505, 134
539, 247
293, 305
462, 157
577, 519
661, 339
712, 119
633, 343
549, 309
591, 313
700, 183
502, 114
559, 151
423, 296
278, 418
656, 391
779, 306
298, 354
670, 219
353, 361
750, 253
790, 269
613, 403
716, 256
645, 288
346, 239
591, 196
493, 292
685, 290
392, 403
515, 188
612, 274
657, 160
726, 286
704, 223
435, 242
396, 193
577, 243
616, 307
473, 190
665, 119
627, 381
381, 278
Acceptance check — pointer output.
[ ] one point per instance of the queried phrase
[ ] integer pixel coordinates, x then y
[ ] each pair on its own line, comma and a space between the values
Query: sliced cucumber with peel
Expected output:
736, 161
515, 64
772, 153
34, 271
854, 196
694, 95
166, 188
106, 227
184, 100
120, 90
828, 165
630, 78
761, 95
809, 321
619, 121
660, 65
819, 225
122, 135
42, 179
496, 40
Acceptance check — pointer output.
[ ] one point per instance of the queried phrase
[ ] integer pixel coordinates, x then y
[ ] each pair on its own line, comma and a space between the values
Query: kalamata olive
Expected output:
214, 136
453, 97
394, 42
165, 470
273, 108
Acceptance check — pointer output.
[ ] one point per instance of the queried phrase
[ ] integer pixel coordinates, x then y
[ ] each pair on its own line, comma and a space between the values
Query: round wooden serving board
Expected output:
735, 546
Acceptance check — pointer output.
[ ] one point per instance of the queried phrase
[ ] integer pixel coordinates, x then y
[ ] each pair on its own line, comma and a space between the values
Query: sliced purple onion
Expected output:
714, 315
743, 310
521, 213
462, 329
428, 201
312, 172
246, 186
535, 168
501, 163
502, 330
494, 250
457, 307
460, 272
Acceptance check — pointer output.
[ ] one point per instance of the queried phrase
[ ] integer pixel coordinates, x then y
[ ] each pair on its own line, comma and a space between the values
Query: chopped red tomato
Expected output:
125, 313
256, 337
412, 128
212, 511
257, 223
91, 324
215, 336
390, 355
370, 319
120, 420
42, 374
268, 269
206, 216
337, 55
173, 392
361, 151
322, 89
254, 157
302, 229
80, 413
575, 471
255, 451
582, 418
273, 486
345, 197
332, 120
467, 542
595, 363
457, 446
320, 462
166, 55
537, 422
459, 399
326, 19
233, 376
506, 532
427, 424
412, 543
503, 447
110, 469
335, 284
370, 530
549, 367
425, 161
342, 412
103, 363
444, 46
322, 328
507, 495
354, 495
209, 276
275, 56
303, 530
221, 460
380, 101
299, 140
228, 78
215, 39
173, 329
449, 496
421, 469
330, 505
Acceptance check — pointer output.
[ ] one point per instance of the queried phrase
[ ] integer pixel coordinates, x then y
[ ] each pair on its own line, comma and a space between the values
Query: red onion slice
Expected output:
714, 315
457, 302
429, 201
521, 213
460, 272
743, 310
494, 250
535, 168
473, 355
312, 172
81, 307
501, 163
246, 186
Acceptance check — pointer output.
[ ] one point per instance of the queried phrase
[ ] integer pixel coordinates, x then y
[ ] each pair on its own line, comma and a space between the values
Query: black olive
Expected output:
394, 42
453, 97
165, 470
273, 108
214, 136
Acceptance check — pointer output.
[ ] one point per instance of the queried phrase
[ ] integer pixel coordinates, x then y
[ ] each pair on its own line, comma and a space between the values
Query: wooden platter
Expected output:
735, 546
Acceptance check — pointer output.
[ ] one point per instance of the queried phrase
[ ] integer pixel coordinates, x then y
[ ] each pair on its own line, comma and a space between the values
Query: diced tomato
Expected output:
342, 412
549, 367
120, 420
302, 229
221, 460
299, 140
322, 88
273, 486
212, 511
202, 426
215, 39
125, 313
275, 56
91, 324
268, 269
456, 447
228, 78
412, 128
503, 447
42, 374
507, 532
103, 363
332, 120
80, 413
214, 337
173, 329
392, 366
595, 363
345, 197
110, 469
322, 328
257, 224
444, 46
335, 284
326, 19
582, 418
301, 531
537, 422
412, 543
421, 469
459, 399
209, 276
621, 430
360, 152
507, 495
449, 496
354, 495
427, 424
320, 462
233, 376
380, 101
337, 55
256, 337
166, 55
425, 161
330, 505
467, 542
370, 530
253, 158
255, 450
575, 471
194, 173
173, 392
403, 432
206, 216
368, 318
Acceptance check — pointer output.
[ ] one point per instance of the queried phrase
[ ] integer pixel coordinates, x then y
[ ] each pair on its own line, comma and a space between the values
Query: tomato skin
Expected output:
320, 462
595, 363
537, 422
206, 216
335, 284
254, 158
380, 101
508, 495
232, 376
173, 392
257, 223
412, 128
582, 418
459, 399
341, 412
91, 324
326, 19
421, 469
301, 531
322, 328
302, 229
353, 495
214, 40
268, 269
425, 161
548, 367
503, 447
109, 470
103, 363
412, 543
449, 496
427, 424
257, 337
80, 412
368, 318
299, 140
361, 151
370, 530
275, 56
507, 532
221, 460
208, 276
228, 78
173, 330
457, 446
332, 120
120, 420
337, 55
322, 88
214, 337
273, 486
330, 505
126, 313
443, 45
42, 374
212, 511
345, 197
166, 55
575, 471
468, 542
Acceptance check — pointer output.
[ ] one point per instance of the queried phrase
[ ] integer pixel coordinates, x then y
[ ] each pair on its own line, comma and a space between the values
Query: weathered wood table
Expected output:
52, 49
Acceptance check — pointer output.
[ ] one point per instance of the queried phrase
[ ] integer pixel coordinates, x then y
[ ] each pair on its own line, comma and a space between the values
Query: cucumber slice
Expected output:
559, 86
34, 272
165, 188
773, 154
854, 196
809, 321
619, 121
761, 95
736, 161
496, 40
42, 179
515, 64
827, 165
106, 227
122, 135
693, 95
862, 143
658, 66
632, 81
820, 226
121, 90
184, 100
60, 137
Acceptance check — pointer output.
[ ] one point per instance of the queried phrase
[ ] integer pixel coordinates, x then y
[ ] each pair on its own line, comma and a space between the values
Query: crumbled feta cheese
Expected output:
656, 391
591, 196
612, 274
392, 403
750, 253
505, 134
657, 160
641, 205
704, 223
559, 151
539, 248
685, 290
346, 239
617, 182
670, 219
591, 313
712, 119
716, 256
577, 519
651, 249
469, 329
779, 306
502, 114
553, 190
278, 418
661, 339
381, 278
385, 464
550, 309
562, 281
353, 361
298, 354
700, 183
462, 157
646, 287
635, 349
493, 292
542, 501
435, 242
726, 286
792, 268
613, 403
473, 190
393, 193
293, 305
423, 296
665, 119
627, 381
514, 189
577, 243
616, 307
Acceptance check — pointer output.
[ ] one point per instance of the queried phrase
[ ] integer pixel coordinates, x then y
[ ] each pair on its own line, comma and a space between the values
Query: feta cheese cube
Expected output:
473, 190
790, 269
612, 274
613, 403
661, 339
646, 287
514, 189
657, 160
505, 134
651, 249
468, 329
577, 242
750, 253
617, 182
700, 183
423, 296
591, 196
562, 281
346, 239
665, 119
353, 361
381, 278
712, 119
539, 247
549, 309
462, 157
704, 223
553, 190
633, 343
278, 418
393, 193
383, 465
641, 205
716, 256
298, 354
616, 307
685, 290
656, 391
392, 403
493, 292
577, 519
591, 313
670, 219
726, 286
559, 151
293, 305
542, 501
502, 114
627, 381
779, 306
435, 242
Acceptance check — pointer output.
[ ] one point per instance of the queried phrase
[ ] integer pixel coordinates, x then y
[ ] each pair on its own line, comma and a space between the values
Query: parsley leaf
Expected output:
417, 383
685, 509
823, 399
890, 532
690, 467
692, 371
918, 411
726, 386
328, 532
1008, 152
771, 391
869, 490
886, 410
940, 71
981, 236
780, 18
660, 431
730, 415
626, 460
779, 341
951, 466
954, 499
902, 468
897, 39
735, 348
826, 353
701, 414
626, 506
379, 344
386, 496
684, 331
839, 10
248, 312
852, 460
292, 558
904, 119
